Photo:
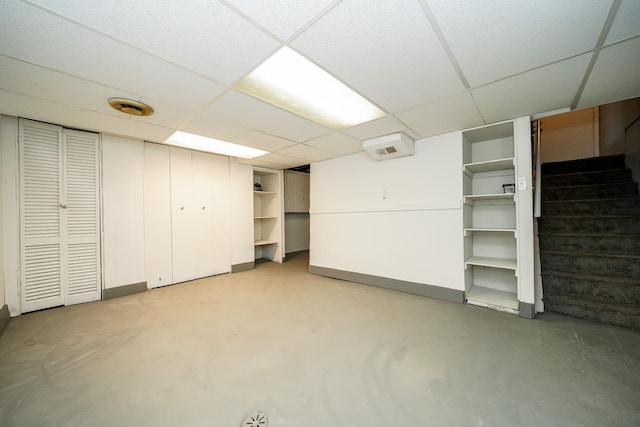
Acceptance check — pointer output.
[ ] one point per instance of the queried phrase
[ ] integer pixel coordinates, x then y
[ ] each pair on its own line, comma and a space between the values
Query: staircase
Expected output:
590, 240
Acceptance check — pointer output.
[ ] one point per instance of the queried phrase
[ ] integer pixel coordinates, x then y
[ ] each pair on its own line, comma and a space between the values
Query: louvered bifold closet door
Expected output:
83, 225
59, 216
41, 216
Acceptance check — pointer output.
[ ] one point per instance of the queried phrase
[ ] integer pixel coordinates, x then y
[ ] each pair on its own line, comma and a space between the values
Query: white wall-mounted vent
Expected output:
389, 146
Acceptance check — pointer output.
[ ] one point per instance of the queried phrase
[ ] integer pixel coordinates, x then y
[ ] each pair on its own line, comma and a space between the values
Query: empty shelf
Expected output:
509, 264
493, 298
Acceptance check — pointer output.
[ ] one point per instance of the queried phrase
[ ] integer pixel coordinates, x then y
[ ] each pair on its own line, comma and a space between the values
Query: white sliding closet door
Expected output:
157, 215
59, 216
211, 220
182, 215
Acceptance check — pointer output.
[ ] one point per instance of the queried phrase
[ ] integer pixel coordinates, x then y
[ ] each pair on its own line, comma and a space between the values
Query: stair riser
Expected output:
592, 207
586, 312
589, 225
585, 165
607, 290
617, 244
605, 177
618, 190
589, 264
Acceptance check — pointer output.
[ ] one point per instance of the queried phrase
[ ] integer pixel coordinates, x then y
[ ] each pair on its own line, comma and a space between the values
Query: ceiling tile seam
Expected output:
596, 52
250, 20
475, 104
281, 43
313, 20
124, 43
406, 126
443, 42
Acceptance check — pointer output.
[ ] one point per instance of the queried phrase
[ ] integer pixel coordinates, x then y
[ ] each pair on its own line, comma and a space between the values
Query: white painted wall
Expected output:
296, 232
399, 218
123, 211
241, 212
10, 222
2, 299
569, 136
157, 214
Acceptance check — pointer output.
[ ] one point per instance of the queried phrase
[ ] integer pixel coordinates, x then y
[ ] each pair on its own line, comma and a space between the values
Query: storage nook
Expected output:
267, 214
490, 214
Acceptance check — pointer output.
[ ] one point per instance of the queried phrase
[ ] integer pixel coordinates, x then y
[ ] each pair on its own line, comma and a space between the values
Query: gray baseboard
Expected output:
431, 291
245, 266
121, 291
526, 310
4, 317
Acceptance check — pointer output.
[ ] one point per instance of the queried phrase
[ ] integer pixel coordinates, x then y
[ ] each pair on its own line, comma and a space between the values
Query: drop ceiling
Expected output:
433, 66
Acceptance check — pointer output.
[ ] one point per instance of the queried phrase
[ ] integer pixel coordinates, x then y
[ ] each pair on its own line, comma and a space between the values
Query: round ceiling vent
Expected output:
129, 106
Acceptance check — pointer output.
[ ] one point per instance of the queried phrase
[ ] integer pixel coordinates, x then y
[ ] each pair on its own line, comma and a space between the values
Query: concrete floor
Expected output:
310, 351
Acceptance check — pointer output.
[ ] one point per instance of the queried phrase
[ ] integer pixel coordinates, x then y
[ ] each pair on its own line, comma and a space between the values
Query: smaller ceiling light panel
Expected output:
292, 82
129, 106
210, 145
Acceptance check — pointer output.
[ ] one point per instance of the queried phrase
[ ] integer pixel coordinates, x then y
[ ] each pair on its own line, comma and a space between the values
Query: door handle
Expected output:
62, 206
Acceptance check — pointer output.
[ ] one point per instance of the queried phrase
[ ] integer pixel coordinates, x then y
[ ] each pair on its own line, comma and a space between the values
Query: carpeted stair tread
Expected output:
584, 165
628, 243
587, 178
613, 206
609, 190
614, 314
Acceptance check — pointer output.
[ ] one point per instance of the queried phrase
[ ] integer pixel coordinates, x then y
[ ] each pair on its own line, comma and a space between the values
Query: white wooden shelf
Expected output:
505, 263
472, 198
264, 243
493, 298
489, 166
265, 217
470, 231
264, 193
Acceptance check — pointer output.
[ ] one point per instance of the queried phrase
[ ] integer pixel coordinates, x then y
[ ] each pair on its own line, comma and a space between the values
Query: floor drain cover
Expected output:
256, 420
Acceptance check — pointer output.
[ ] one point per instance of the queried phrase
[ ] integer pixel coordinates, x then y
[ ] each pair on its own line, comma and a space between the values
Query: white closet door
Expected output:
82, 216
211, 199
157, 215
182, 215
41, 212
59, 216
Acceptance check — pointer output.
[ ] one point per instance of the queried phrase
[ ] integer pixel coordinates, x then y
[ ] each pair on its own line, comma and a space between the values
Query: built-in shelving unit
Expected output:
267, 214
490, 220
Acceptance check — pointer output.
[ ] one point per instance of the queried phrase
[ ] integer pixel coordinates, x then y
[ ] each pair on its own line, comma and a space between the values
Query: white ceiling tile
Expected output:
39, 109
262, 163
255, 114
380, 127
626, 24
337, 143
615, 75
544, 89
231, 132
281, 17
306, 153
453, 113
499, 38
204, 36
385, 50
77, 51
281, 159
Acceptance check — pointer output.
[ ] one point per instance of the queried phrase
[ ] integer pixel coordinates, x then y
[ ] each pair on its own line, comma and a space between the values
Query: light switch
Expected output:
522, 184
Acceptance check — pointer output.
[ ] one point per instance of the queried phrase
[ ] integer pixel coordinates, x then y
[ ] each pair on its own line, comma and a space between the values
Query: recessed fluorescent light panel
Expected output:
290, 81
210, 145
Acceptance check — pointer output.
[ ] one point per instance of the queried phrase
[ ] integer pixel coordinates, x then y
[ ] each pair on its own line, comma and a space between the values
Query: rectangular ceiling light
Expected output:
290, 81
210, 145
